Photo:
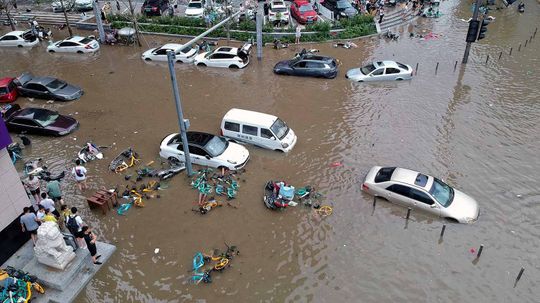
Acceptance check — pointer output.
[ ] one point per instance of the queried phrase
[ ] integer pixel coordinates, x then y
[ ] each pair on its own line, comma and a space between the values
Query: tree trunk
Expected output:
67, 20
9, 19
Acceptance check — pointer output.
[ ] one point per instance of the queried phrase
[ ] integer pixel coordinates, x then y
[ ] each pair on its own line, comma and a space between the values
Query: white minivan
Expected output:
259, 129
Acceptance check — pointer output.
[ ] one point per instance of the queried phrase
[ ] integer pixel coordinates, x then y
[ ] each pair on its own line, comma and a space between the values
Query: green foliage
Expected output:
357, 20
321, 27
247, 25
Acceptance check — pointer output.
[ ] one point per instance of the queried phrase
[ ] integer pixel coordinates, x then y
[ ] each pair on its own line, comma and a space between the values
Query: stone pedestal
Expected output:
51, 249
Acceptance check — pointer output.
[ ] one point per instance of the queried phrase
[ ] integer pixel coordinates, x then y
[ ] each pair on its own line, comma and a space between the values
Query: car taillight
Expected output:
365, 187
154, 9
88, 46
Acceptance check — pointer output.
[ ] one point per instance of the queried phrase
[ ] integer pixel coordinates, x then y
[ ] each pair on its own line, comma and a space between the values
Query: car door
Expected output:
422, 200
37, 90
160, 54
300, 68
68, 47
376, 75
250, 133
197, 155
9, 40
26, 125
316, 69
391, 73
399, 194
268, 140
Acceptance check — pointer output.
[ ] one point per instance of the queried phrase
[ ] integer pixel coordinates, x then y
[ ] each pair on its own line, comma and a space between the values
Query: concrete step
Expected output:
44, 18
395, 23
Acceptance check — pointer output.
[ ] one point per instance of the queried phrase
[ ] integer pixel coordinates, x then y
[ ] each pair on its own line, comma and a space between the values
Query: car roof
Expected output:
250, 117
199, 138
278, 3
409, 177
14, 33
227, 50
30, 111
385, 63
5, 81
171, 46
75, 39
313, 57
41, 80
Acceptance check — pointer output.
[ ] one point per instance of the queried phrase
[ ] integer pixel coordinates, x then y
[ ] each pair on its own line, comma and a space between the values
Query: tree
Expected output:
7, 6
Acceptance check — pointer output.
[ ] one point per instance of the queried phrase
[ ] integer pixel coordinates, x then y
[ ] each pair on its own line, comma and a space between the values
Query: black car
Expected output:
154, 7
38, 121
47, 88
340, 8
309, 65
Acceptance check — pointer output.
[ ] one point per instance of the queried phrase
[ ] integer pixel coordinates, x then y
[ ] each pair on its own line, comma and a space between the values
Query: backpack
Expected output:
79, 172
72, 225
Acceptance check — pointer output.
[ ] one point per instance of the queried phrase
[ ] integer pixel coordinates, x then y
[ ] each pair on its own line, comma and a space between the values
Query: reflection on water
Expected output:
476, 127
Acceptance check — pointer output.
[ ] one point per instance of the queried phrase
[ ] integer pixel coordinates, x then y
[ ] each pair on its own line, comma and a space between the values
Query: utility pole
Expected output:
135, 25
473, 26
99, 22
184, 124
259, 22
65, 16
11, 22
228, 11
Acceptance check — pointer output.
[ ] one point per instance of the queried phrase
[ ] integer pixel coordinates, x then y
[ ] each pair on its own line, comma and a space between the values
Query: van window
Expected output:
235, 127
249, 130
280, 128
266, 133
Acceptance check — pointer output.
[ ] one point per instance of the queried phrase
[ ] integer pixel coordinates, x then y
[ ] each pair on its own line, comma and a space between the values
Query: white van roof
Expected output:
250, 117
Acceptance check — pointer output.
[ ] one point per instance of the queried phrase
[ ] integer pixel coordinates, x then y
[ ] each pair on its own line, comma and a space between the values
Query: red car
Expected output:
8, 90
303, 12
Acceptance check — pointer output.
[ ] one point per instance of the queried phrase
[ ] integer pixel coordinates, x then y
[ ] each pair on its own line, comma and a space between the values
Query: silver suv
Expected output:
416, 190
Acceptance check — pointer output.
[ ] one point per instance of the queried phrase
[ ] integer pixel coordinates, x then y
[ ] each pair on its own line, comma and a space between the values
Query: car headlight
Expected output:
284, 145
232, 162
469, 219
342, 13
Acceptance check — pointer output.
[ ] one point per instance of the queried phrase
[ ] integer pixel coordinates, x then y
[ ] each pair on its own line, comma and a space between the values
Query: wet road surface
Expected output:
476, 128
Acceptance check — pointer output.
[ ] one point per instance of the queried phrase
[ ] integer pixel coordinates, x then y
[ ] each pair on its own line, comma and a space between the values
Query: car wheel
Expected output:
174, 161
51, 51
201, 64
233, 66
451, 220
399, 79
360, 81
79, 52
147, 59
279, 150
19, 46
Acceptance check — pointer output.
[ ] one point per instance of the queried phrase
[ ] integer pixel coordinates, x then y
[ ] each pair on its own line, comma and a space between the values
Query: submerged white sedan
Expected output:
19, 39
416, 190
75, 44
182, 54
225, 56
381, 71
205, 150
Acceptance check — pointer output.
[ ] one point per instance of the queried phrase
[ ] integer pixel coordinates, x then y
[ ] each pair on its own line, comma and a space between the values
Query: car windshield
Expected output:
305, 8
443, 193
279, 9
216, 146
279, 128
343, 4
56, 84
3, 90
85, 41
367, 69
185, 50
195, 5
45, 118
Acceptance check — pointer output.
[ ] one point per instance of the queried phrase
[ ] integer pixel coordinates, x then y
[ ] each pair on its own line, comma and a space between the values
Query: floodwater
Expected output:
477, 128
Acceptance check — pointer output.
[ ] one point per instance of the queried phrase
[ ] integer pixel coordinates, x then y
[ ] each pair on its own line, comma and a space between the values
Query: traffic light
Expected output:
472, 33
483, 29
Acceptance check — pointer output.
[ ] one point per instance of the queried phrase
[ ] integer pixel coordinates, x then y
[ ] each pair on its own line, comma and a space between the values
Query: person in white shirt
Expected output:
48, 203
79, 172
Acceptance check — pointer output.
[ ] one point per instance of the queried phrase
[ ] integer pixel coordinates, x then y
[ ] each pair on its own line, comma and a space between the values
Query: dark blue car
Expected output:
307, 64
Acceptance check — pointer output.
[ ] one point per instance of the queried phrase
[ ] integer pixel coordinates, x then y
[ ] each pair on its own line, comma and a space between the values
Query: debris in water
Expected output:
156, 251
336, 164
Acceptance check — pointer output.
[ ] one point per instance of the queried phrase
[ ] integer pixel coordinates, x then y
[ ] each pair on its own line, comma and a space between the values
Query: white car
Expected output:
19, 39
206, 150
83, 5
416, 190
225, 56
195, 9
75, 44
57, 5
278, 12
381, 71
182, 55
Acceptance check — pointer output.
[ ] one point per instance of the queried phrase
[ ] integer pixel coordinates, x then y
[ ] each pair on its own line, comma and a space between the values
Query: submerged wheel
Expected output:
51, 51
174, 160
19, 46
147, 59
233, 66
399, 79
201, 64
79, 52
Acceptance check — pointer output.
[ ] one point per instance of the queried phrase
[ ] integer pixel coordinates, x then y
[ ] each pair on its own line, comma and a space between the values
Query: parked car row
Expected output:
75, 44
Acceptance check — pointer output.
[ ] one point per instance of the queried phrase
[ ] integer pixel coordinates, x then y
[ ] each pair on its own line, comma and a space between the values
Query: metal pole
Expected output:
67, 20
259, 21
213, 28
99, 22
480, 251
11, 23
228, 10
135, 25
178, 103
468, 46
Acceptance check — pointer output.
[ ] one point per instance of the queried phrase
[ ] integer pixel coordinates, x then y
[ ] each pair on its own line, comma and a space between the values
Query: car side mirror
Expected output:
433, 206
371, 75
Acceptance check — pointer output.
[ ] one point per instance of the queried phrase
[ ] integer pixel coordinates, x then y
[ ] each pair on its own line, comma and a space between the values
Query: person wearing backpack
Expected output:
74, 224
79, 172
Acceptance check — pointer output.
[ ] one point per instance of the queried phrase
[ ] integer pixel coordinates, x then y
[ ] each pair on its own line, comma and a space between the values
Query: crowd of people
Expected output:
48, 199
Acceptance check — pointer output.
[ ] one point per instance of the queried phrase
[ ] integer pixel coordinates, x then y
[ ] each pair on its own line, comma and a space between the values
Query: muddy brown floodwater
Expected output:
478, 128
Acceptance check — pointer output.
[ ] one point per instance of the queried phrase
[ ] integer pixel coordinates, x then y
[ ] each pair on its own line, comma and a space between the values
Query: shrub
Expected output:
322, 27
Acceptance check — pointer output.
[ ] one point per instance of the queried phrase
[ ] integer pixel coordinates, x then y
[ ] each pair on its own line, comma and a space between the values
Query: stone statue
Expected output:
50, 247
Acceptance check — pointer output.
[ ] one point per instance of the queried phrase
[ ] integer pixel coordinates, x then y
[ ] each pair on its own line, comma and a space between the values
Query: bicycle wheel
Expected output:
325, 211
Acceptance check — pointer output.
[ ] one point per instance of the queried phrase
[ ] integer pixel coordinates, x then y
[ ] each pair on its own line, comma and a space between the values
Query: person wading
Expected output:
33, 184
29, 223
79, 172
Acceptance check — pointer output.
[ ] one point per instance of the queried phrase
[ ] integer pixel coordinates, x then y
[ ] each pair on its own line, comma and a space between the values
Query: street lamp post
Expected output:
473, 20
184, 124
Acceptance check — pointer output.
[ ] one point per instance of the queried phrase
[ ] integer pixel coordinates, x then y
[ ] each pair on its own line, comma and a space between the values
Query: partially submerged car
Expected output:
308, 64
47, 88
182, 54
38, 121
19, 39
206, 150
75, 44
381, 71
416, 190
225, 56
8, 90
